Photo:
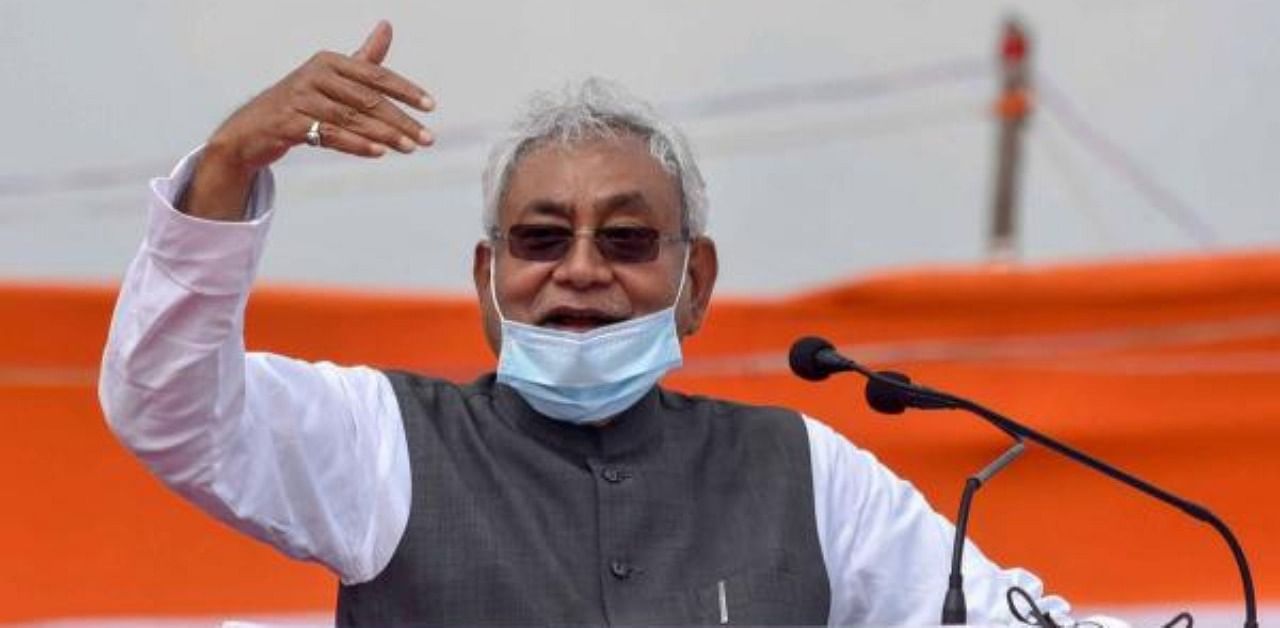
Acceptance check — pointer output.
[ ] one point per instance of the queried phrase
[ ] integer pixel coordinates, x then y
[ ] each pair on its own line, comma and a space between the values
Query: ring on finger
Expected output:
313, 134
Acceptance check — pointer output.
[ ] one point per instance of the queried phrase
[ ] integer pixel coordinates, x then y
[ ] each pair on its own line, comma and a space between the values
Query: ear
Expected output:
482, 256
704, 266
480, 261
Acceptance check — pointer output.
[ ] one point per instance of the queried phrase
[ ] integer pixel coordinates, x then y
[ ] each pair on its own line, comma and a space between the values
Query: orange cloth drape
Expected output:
1169, 368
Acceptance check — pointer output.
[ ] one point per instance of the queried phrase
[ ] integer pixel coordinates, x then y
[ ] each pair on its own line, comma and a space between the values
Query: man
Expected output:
565, 489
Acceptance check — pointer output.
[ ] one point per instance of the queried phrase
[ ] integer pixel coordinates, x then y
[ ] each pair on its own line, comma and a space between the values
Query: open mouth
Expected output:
574, 319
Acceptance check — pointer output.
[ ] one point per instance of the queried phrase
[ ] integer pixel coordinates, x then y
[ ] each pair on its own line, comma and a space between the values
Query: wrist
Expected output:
219, 186
222, 161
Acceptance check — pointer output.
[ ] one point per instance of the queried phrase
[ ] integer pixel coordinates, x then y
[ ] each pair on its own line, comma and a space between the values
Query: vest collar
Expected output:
635, 428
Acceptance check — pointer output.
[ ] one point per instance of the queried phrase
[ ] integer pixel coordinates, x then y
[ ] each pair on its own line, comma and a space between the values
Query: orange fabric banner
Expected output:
1168, 368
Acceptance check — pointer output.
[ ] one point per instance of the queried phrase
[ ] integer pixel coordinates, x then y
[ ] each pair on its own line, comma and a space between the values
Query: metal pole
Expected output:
1012, 107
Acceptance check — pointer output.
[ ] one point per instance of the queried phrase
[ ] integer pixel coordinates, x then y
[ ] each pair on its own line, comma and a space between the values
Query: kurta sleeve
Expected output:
888, 553
309, 457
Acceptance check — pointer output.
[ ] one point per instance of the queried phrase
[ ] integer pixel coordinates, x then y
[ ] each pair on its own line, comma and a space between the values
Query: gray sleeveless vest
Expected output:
682, 510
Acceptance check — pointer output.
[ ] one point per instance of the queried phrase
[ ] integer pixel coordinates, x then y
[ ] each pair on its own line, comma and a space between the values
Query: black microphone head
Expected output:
884, 398
804, 358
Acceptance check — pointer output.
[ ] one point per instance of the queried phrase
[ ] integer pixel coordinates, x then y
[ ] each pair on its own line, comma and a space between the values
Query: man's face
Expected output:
587, 186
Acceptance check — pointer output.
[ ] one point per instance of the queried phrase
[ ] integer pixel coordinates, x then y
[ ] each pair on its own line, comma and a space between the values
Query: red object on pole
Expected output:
1014, 45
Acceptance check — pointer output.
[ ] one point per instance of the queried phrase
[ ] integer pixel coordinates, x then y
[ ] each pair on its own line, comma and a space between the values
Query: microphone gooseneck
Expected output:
954, 609
821, 358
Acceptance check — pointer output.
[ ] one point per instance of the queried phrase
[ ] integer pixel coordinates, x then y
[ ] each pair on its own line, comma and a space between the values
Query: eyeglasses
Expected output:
549, 243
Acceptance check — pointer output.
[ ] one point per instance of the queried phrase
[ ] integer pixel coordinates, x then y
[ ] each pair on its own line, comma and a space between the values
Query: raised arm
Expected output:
309, 457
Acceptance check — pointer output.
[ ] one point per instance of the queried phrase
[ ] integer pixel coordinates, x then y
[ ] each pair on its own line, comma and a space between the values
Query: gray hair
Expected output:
592, 109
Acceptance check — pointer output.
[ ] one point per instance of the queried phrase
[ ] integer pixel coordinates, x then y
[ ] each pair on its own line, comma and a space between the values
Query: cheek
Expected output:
518, 288
648, 290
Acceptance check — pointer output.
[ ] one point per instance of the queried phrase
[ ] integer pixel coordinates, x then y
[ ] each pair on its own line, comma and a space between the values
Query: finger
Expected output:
352, 120
371, 103
339, 139
362, 124
385, 81
375, 47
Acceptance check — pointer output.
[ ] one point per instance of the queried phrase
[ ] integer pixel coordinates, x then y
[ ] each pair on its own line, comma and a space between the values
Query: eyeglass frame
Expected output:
496, 234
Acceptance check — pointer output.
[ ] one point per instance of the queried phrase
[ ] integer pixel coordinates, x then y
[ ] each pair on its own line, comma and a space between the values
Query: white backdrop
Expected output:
819, 166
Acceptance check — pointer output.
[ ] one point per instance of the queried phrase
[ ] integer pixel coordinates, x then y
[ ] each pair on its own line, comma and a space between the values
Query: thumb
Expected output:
375, 47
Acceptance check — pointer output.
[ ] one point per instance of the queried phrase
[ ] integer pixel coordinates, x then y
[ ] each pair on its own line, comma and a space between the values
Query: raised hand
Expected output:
351, 97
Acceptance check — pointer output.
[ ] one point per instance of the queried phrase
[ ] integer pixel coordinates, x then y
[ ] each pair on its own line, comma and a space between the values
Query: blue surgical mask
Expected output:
586, 377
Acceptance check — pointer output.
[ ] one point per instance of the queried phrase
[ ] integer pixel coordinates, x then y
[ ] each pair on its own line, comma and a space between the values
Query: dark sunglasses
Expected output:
549, 243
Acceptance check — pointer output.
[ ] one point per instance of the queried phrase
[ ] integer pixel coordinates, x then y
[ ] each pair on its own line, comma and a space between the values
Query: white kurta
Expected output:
311, 457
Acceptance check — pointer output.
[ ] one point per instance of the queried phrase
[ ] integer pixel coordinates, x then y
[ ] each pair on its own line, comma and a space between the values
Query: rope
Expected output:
1080, 195
1158, 196
469, 136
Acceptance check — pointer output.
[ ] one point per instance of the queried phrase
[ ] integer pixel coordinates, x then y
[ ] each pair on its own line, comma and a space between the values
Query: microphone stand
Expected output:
954, 609
926, 398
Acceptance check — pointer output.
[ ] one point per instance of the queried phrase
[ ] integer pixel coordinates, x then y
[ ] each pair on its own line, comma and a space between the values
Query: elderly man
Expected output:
567, 488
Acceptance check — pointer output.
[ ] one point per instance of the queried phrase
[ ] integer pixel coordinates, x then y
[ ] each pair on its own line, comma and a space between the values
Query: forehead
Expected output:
588, 179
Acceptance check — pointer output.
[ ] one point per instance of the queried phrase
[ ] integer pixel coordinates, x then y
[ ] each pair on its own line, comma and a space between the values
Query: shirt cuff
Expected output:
207, 256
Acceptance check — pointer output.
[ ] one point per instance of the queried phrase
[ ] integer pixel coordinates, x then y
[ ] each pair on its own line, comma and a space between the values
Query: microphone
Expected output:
815, 359
886, 398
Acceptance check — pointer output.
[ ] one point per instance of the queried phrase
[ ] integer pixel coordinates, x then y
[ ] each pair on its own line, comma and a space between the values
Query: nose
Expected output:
583, 266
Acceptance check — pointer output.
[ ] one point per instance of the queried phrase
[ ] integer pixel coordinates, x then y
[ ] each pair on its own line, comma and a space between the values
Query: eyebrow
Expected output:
631, 201
626, 200
547, 207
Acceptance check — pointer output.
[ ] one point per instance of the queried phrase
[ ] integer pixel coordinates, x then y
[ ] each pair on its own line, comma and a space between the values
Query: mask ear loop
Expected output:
493, 292
684, 272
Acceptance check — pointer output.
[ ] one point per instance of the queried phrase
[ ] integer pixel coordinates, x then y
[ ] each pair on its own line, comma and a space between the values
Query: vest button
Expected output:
620, 570
612, 475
